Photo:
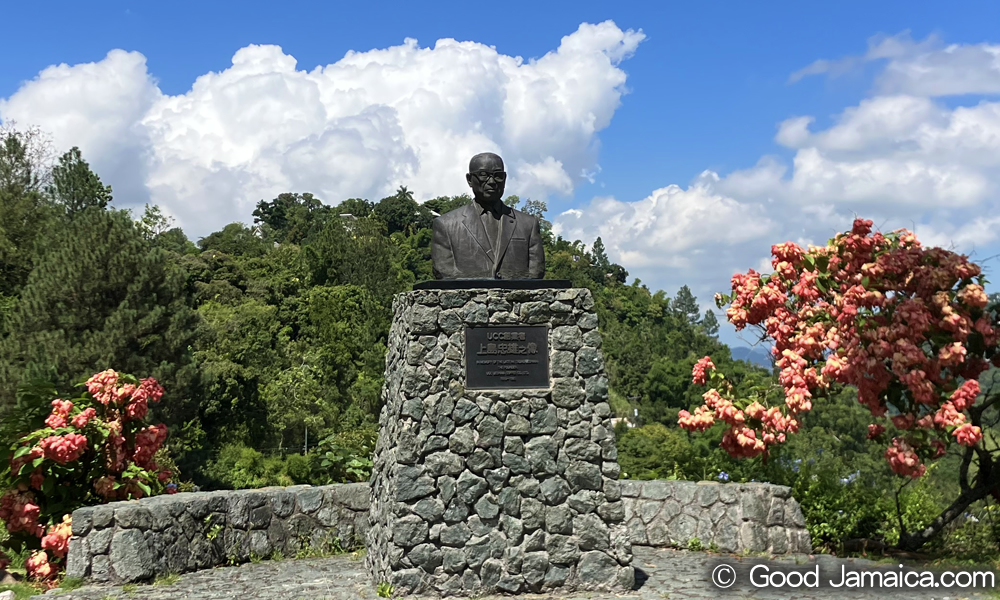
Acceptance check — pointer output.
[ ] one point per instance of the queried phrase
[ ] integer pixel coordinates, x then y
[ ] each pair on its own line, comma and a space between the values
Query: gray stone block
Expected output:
99, 540
708, 495
409, 531
562, 549
100, 569
651, 490
83, 520
753, 536
77, 557
131, 515
131, 557
584, 475
559, 519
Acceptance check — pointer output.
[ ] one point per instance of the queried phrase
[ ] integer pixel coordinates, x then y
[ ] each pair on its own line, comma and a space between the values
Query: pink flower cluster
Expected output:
38, 566
60, 412
903, 460
147, 442
20, 511
57, 540
699, 377
131, 399
63, 448
81, 420
117, 434
868, 310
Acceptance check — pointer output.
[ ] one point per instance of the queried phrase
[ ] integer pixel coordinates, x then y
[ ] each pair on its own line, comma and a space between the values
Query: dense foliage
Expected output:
67, 453
911, 328
270, 340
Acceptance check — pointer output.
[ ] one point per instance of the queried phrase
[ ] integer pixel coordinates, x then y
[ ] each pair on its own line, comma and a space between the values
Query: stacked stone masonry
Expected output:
509, 491
140, 539
173, 534
732, 517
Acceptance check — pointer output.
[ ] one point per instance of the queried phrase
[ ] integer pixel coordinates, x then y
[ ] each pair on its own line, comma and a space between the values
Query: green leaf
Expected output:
21, 451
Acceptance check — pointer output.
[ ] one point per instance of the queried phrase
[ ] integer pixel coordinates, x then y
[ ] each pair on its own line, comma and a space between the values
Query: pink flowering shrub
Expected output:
907, 326
91, 449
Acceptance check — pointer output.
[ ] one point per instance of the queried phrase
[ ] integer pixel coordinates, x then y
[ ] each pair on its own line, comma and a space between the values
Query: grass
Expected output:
329, 546
168, 579
385, 590
22, 591
70, 583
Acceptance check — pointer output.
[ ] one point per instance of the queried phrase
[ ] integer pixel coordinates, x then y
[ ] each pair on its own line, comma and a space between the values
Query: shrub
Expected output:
238, 467
65, 454
346, 457
298, 468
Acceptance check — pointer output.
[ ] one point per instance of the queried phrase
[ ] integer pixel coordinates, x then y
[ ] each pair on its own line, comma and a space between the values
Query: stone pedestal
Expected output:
495, 491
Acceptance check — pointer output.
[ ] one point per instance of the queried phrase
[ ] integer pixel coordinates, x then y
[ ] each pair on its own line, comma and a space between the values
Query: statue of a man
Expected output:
487, 239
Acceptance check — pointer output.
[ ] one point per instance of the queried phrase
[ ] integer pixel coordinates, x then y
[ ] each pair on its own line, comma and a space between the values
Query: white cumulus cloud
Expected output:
901, 157
359, 127
925, 68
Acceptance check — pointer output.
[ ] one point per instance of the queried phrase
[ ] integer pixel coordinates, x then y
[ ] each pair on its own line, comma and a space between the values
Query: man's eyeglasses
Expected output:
482, 176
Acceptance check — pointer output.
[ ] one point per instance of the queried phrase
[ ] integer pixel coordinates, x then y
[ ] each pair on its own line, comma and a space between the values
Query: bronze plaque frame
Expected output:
507, 357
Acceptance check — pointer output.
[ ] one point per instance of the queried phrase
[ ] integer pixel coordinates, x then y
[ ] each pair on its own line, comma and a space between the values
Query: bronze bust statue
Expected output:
487, 239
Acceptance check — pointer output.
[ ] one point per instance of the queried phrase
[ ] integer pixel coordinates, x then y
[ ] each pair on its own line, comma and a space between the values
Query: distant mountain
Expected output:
757, 356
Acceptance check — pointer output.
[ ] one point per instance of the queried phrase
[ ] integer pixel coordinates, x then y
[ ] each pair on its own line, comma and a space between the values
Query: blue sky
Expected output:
706, 88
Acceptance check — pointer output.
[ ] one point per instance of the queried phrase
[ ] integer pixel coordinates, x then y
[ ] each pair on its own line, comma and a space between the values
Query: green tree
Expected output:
153, 222
236, 239
400, 212
600, 258
296, 400
686, 305
538, 208
243, 348
101, 298
443, 204
75, 187
349, 325
175, 241
23, 209
356, 207
710, 324
291, 218
356, 252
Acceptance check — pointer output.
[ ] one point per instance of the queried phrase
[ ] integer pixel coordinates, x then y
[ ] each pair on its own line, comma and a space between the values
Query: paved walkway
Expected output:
663, 574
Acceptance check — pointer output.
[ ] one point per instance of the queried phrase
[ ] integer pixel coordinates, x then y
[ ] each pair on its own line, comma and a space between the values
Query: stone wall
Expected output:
732, 517
477, 492
140, 539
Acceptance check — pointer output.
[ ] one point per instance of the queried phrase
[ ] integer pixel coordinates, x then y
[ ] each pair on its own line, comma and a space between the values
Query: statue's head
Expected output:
486, 177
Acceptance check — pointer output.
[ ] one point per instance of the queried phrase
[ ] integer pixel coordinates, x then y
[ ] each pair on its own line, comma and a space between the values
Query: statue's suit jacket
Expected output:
461, 249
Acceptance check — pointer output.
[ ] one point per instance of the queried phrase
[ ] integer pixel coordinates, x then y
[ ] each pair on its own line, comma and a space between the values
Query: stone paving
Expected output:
663, 574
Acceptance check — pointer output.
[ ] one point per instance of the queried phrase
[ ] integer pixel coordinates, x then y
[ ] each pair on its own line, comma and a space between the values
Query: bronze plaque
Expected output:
507, 356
